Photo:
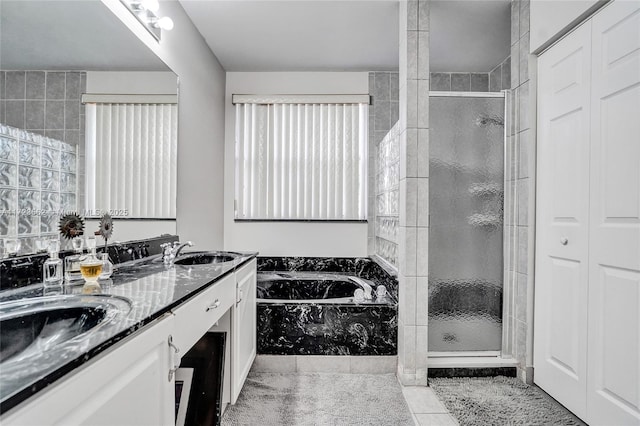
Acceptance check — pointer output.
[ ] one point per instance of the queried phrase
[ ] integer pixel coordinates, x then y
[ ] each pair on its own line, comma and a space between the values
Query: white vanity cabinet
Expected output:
132, 383
243, 328
124, 386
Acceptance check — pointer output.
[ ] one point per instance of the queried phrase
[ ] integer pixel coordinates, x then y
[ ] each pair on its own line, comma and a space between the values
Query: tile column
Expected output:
520, 196
413, 238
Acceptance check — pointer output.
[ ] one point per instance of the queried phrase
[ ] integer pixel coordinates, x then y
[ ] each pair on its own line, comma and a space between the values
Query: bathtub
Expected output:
314, 313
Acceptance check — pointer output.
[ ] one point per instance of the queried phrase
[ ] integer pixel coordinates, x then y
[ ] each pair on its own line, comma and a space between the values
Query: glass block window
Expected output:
37, 182
387, 194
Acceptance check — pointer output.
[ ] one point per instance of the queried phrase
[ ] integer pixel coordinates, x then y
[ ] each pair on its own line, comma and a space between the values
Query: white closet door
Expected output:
614, 288
560, 347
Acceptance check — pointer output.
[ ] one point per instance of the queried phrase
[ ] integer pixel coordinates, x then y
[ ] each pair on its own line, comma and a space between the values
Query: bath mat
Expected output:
475, 401
320, 399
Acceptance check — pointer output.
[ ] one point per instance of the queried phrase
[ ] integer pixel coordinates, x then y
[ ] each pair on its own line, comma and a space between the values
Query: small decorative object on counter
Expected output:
52, 268
72, 263
91, 266
105, 230
71, 226
107, 266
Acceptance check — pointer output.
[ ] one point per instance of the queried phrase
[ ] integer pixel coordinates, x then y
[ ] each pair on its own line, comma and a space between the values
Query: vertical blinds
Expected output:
131, 159
301, 161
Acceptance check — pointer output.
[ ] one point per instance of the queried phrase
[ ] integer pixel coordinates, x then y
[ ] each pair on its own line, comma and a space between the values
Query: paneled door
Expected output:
613, 395
562, 274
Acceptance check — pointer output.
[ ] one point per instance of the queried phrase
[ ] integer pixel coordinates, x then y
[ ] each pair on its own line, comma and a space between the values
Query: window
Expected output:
299, 160
131, 154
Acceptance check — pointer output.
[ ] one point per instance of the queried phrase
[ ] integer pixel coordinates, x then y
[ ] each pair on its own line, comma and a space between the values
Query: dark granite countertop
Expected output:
153, 290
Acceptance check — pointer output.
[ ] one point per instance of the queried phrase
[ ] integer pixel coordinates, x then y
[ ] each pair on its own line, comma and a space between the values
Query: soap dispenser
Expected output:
52, 268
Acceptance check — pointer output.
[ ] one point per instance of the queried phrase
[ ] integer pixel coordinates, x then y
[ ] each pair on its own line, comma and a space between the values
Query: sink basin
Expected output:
30, 327
204, 258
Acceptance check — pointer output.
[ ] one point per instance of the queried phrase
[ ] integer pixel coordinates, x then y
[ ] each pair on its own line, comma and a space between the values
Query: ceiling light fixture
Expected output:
165, 23
145, 12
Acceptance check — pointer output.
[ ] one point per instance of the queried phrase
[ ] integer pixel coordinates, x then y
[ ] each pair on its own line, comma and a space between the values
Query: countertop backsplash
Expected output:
20, 271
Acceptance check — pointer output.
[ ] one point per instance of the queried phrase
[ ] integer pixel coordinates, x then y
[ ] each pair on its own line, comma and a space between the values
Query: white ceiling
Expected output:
468, 36
69, 35
349, 35
300, 35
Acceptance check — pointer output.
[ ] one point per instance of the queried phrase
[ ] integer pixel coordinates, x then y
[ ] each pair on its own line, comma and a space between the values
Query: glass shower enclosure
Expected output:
466, 181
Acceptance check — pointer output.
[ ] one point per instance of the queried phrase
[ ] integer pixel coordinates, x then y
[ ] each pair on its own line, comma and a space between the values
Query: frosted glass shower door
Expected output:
466, 178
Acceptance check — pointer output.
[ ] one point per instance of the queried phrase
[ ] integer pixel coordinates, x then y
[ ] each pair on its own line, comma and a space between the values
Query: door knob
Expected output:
564, 241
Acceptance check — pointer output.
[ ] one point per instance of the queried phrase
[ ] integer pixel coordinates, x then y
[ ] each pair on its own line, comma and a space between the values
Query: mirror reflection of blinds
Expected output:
301, 161
131, 159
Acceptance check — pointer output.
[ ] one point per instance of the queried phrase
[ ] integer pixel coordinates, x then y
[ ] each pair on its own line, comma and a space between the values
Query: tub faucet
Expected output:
365, 286
171, 251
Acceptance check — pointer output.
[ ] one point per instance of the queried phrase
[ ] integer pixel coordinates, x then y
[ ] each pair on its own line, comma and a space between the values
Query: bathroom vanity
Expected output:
123, 372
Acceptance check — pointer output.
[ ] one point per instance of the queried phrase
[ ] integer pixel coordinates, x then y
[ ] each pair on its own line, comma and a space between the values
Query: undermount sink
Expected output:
29, 327
204, 258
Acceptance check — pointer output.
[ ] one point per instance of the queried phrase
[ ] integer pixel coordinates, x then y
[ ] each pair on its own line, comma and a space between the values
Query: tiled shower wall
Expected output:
500, 76
44, 102
520, 196
47, 103
383, 114
496, 80
459, 81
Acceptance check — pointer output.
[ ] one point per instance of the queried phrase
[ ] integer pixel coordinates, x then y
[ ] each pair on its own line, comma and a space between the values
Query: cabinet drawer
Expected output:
194, 318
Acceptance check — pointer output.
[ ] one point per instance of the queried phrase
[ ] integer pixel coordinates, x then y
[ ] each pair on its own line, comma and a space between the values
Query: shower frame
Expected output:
504, 357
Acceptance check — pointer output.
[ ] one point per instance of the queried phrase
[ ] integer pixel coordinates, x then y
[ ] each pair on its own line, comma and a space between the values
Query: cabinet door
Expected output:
127, 386
243, 350
614, 279
560, 347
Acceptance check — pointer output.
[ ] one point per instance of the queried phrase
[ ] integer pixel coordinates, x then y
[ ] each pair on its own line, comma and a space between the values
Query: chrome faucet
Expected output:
365, 286
171, 251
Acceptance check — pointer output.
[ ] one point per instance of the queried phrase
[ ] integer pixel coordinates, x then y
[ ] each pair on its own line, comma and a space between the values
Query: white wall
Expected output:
550, 19
200, 122
288, 238
132, 82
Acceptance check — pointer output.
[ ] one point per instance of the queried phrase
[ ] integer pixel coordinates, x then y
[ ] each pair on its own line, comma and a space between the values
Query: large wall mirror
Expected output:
88, 124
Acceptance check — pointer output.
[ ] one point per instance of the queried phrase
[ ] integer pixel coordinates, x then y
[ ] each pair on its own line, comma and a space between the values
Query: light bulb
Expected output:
151, 5
165, 23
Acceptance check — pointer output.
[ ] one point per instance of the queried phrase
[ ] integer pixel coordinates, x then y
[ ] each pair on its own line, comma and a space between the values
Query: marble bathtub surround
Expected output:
153, 291
333, 326
327, 329
362, 267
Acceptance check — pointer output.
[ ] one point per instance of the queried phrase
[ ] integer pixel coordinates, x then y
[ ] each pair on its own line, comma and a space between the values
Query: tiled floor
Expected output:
426, 408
